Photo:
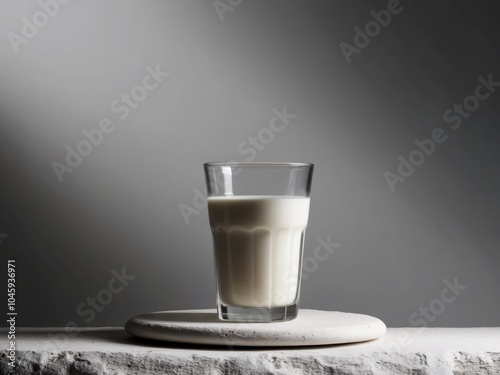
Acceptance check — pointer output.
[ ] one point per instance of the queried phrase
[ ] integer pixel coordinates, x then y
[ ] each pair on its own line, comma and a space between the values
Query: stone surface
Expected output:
443, 351
311, 327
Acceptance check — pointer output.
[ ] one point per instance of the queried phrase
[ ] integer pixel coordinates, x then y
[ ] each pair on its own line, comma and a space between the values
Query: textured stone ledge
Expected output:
440, 351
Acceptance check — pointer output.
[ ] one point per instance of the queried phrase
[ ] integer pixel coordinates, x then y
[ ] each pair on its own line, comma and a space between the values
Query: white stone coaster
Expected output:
311, 327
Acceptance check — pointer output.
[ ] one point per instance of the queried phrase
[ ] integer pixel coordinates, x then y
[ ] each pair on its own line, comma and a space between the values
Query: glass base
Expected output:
257, 314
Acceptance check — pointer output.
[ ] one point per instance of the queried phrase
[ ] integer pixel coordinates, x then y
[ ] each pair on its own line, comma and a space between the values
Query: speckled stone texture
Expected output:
311, 327
415, 351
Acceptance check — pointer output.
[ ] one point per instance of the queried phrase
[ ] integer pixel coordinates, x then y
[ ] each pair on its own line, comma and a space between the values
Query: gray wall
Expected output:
395, 251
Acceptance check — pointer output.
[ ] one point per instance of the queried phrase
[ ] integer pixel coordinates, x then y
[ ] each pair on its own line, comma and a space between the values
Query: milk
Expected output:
258, 243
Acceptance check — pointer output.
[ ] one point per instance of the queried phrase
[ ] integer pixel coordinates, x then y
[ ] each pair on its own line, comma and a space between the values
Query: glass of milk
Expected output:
258, 215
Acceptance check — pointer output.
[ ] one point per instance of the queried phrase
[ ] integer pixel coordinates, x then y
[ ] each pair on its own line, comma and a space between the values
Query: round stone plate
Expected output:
311, 327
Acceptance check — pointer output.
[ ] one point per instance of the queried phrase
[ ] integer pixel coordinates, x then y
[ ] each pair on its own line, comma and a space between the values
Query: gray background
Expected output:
120, 206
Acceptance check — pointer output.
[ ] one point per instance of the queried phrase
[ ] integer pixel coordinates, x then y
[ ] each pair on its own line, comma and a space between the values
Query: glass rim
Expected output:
256, 164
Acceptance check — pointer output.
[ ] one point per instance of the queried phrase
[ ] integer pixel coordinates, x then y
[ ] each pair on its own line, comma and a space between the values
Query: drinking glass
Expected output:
258, 214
